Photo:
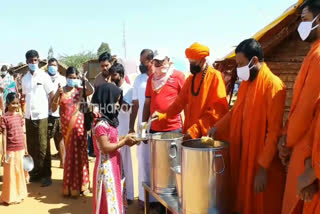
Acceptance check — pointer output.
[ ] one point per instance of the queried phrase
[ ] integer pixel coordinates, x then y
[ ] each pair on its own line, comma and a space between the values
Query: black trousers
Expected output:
39, 147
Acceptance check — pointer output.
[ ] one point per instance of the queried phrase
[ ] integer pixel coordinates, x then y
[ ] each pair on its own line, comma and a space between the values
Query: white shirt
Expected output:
124, 116
56, 80
139, 93
37, 88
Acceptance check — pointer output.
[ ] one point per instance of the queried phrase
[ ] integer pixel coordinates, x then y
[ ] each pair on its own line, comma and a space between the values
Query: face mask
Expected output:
244, 72
161, 70
194, 69
143, 69
73, 83
33, 67
3, 73
52, 70
305, 29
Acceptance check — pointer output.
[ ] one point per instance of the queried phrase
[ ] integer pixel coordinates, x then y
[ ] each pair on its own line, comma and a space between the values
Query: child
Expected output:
14, 188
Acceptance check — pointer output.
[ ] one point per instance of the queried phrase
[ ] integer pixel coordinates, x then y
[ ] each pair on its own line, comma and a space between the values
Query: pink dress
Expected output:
107, 184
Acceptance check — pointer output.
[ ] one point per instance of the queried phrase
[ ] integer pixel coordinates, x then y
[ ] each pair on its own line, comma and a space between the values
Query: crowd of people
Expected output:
274, 167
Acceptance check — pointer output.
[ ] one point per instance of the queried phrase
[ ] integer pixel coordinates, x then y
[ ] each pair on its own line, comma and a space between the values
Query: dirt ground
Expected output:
50, 199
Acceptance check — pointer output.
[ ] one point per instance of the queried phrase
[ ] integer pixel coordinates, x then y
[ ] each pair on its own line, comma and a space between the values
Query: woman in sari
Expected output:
76, 168
108, 188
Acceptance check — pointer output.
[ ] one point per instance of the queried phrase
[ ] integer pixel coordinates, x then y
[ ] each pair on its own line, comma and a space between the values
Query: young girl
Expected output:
108, 195
14, 188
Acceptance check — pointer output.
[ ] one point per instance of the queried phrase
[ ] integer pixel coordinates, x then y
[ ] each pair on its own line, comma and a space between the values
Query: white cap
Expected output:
160, 54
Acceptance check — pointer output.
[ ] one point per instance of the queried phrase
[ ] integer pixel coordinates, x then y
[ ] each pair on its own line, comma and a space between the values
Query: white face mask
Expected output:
305, 28
244, 72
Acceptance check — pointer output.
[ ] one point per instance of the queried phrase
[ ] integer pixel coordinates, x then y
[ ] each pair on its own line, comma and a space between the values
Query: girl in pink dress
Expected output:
107, 183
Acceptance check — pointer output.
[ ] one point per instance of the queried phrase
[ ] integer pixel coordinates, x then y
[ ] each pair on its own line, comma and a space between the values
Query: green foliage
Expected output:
77, 60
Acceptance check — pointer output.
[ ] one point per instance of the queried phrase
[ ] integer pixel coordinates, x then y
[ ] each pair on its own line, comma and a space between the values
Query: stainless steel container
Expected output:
177, 174
164, 154
205, 178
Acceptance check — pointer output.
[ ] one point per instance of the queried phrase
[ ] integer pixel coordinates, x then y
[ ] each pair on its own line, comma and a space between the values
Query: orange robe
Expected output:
305, 96
314, 206
204, 110
253, 127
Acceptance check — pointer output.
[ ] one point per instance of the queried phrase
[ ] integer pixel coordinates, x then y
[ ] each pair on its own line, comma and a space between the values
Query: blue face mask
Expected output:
52, 70
3, 73
73, 83
33, 67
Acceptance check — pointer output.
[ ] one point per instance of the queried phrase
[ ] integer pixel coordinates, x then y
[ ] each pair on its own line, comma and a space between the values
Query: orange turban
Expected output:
197, 51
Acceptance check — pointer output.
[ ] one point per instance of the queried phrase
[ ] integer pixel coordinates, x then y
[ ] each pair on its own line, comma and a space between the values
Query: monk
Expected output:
253, 127
308, 182
295, 146
203, 96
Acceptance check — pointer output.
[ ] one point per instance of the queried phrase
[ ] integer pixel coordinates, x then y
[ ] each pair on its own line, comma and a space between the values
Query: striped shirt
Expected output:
13, 123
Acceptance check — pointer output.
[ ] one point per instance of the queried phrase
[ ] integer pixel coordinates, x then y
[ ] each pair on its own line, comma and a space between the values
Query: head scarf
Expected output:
197, 51
106, 96
159, 79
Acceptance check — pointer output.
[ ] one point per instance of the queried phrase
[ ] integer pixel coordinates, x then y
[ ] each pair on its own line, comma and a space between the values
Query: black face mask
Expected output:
143, 68
194, 69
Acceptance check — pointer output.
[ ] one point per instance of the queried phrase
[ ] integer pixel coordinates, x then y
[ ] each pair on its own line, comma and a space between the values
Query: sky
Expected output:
73, 26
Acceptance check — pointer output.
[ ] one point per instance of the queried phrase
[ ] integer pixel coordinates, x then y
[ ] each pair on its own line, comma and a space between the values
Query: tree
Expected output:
104, 47
50, 53
77, 60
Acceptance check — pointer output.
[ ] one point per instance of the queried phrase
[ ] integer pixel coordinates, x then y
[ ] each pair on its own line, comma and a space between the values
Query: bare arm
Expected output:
146, 110
89, 88
55, 102
51, 97
4, 145
133, 116
107, 147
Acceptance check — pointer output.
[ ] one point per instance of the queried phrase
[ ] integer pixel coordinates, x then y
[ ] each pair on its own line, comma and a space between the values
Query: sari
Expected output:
76, 168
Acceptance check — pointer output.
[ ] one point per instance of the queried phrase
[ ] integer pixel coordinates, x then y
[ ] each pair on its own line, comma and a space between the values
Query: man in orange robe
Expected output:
298, 130
309, 180
203, 96
252, 128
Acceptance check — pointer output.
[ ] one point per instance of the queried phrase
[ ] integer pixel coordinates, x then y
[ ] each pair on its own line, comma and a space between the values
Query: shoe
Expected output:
45, 182
129, 202
34, 179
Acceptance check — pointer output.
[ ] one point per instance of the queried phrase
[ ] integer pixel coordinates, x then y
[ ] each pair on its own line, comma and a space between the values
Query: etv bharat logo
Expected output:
106, 108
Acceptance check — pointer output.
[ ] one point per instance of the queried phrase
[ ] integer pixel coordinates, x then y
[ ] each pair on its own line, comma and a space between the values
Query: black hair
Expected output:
117, 68
31, 54
4, 68
11, 97
150, 53
106, 56
313, 6
250, 48
72, 70
52, 60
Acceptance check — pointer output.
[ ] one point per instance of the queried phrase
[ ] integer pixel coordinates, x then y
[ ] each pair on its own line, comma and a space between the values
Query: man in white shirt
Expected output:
139, 95
54, 125
117, 76
38, 90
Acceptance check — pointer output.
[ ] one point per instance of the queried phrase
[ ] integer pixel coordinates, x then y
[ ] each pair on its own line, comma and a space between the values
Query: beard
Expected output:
253, 74
313, 36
